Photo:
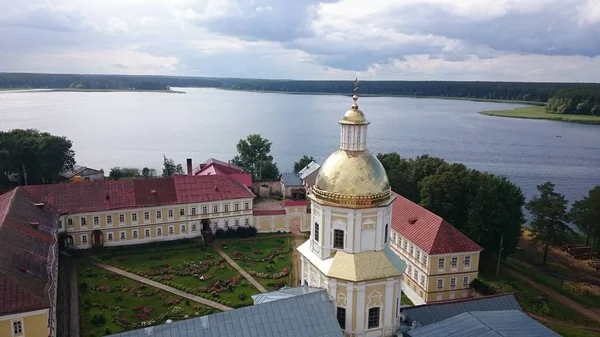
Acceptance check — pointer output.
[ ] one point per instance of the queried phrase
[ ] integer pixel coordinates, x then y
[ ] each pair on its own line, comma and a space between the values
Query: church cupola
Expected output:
354, 127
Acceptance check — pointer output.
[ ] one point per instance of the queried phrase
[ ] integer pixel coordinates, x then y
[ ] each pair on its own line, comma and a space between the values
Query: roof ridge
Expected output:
460, 300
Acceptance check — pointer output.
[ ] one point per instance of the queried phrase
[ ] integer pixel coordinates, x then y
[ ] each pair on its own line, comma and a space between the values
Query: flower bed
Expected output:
110, 304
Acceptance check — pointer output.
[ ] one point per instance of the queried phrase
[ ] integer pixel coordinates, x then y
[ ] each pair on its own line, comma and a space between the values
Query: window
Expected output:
84, 239
237, 222
338, 239
193, 210
216, 209
416, 274
394, 238
409, 270
135, 234
316, 232
404, 244
247, 222
122, 236
247, 206
96, 220
170, 213
440, 283
158, 214
181, 211
453, 282
358, 136
467, 261
82, 221
147, 233
226, 223
454, 262
171, 230
109, 219
159, 231
465, 281
193, 228
204, 209
110, 237
236, 207
70, 222
341, 317
385, 234
422, 280
412, 250
134, 217
421, 293
424, 259
121, 218
183, 228
348, 137
441, 263
418, 254
17, 328
146, 215
373, 321
226, 208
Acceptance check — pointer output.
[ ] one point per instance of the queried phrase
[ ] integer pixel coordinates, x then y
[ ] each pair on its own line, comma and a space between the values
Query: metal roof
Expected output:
505, 323
308, 169
435, 312
291, 179
308, 315
283, 293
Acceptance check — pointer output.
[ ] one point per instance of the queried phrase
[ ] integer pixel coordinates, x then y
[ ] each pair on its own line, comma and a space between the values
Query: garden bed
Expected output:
268, 260
110, 303
198, 270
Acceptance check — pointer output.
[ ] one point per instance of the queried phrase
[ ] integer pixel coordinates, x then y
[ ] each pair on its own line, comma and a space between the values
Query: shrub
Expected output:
242, 297
269, 267
107, 331
187, 302
98, 319
83, 286
119, 298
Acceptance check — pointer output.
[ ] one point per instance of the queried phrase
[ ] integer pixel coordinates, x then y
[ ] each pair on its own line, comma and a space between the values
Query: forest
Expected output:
582, 101
519, 91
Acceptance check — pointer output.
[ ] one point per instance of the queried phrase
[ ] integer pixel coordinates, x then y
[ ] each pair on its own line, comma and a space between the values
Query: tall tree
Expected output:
300, 164
38, 156
146, 172
585, 214
170, 168
252, 150
267, 170
550, 219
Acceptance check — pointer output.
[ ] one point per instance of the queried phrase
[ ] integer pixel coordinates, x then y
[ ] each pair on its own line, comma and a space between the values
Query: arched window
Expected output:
348, 134
358, 136
385, 234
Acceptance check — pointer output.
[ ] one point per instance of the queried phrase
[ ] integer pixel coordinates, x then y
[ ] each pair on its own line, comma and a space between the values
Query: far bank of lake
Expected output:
539, 112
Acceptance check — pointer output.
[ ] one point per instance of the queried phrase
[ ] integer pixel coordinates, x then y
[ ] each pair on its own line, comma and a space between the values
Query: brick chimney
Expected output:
189, 167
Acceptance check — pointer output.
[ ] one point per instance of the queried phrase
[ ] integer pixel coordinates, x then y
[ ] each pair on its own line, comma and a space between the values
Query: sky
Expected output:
501, 40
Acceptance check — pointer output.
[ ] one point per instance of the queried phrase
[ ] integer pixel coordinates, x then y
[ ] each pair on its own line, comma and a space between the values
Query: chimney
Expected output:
189, 167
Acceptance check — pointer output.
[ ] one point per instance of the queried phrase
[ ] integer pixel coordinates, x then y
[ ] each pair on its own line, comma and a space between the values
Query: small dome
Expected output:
354, 116
352, 179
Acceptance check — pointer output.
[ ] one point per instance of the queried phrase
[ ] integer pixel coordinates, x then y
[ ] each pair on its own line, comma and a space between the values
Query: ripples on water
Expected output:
136, 129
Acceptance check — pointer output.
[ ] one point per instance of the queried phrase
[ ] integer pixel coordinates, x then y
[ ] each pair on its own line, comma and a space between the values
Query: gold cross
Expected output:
356, 86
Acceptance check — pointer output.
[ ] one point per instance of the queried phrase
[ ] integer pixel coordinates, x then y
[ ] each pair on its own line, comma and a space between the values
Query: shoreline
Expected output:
87, 90
538, 112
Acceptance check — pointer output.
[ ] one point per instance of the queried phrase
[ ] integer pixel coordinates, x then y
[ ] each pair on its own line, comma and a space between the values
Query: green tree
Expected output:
38, 156
550, 219
170, 168
267, 170
117, 173
585, 214
146, 172
252, 150
300, 164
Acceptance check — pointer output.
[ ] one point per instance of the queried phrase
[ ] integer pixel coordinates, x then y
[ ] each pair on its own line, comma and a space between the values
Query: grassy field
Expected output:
183, 265
276, 253
570, 332
539, 112
107, 298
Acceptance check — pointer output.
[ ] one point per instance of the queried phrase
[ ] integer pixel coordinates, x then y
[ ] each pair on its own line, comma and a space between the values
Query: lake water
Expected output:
136, 129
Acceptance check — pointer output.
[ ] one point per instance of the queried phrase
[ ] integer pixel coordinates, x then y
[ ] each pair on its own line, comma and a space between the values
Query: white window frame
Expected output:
417, 254
135, 234
122, 235
193, 212
109, 219
409, 270
440, 283
84, 239
226, 208
171, 230
121, 218
424, 259
246, 205
70, 222
146, 216
453, 280
183, 229
159, 215
237, 222
96, 220
215, 208
193, 228
247, 222
21, 326
343, 238
182, 212
236, 207
134, 217
416, 274
170, 214
423, 280
412, 250
147, 233
204, 209
467, 261
454, 262
83, 221
404, 244
467, 279
159, 231
441, 263
110, 237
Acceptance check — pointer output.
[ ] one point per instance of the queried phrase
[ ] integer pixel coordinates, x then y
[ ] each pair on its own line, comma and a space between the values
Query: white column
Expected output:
349, 306
332, 288
326, 232
361, 310
390, 302
272, 223
309, 274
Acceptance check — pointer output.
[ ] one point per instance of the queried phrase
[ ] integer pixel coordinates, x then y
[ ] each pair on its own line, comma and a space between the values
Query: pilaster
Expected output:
350, 306
361, 310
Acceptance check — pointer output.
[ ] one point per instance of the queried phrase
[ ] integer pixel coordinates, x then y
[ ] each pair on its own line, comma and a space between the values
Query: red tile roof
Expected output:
427, 230
291, 203
28, 253
269, 212
244, 178
215, 166
105, 195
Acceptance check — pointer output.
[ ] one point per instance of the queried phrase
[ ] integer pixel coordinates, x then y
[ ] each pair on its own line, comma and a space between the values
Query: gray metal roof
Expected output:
505, 323
435, 312
282, 293
308, 169
308, 315
291, 179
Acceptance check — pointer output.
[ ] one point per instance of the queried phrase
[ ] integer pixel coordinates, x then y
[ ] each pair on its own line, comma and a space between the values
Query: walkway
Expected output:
229, 260
161, 286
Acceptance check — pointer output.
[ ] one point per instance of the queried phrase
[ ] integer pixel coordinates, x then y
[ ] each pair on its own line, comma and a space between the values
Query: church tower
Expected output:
348, 252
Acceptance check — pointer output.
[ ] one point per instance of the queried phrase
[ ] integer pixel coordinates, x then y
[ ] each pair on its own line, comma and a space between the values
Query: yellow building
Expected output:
28, 266
348, 251
441, 260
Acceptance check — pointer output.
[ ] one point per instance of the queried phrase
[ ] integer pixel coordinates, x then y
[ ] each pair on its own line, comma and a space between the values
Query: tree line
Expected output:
489, 208
582, 101
522, 91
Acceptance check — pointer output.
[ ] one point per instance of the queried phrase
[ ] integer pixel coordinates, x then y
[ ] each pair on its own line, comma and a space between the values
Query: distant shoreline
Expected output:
540, 113
90, 90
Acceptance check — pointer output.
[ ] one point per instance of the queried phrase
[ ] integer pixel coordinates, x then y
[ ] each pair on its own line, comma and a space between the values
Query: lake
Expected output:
136, 129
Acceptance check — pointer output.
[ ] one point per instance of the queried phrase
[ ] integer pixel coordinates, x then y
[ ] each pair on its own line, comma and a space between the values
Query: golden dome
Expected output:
354, 115
352, 179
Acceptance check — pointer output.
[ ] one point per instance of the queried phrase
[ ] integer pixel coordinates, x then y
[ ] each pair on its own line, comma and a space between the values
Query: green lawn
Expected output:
106, 299
571, 332
182, 269
539, 112
249, 254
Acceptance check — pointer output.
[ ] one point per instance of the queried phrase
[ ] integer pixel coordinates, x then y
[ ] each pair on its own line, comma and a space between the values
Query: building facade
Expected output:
441, 260
348, 251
